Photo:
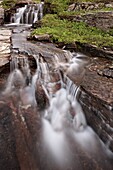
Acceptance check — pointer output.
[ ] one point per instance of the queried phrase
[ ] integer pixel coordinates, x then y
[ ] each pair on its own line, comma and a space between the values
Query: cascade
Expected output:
65, 136
28, 14
63, 119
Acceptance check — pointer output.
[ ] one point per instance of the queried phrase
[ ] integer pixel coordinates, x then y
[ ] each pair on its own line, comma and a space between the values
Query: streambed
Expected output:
34, 141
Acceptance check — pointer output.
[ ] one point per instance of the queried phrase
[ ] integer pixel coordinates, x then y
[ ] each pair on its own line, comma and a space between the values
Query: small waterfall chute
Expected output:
64, 123
28, 14
19, 14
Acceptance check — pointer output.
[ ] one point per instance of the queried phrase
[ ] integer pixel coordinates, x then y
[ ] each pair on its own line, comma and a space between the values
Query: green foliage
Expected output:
36, 1
58, 5
7, 4
69, 32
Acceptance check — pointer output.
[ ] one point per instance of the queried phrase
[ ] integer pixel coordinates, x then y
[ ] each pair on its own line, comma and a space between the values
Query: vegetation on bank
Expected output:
7, 4
59, 6
63, 30
70, 32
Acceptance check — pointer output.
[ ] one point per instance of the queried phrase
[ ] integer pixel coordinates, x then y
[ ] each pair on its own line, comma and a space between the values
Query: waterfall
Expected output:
64, 128
28, 14
60, 90
19, 14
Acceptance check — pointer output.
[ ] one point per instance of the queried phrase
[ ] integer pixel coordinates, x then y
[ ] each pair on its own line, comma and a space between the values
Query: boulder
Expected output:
43, 37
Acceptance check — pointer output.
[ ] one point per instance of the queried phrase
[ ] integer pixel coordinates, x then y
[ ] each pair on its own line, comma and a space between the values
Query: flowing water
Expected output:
67, 142
28, 14
65, 136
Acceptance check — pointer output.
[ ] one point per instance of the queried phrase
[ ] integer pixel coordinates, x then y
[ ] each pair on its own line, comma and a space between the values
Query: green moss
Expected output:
7, 4
36, 1
69, 32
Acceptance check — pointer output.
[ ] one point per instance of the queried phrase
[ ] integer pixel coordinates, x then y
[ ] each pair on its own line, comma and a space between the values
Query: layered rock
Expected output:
5, 45
19, 132
93, 14
97, 98
89, 6
102, 20
1, 15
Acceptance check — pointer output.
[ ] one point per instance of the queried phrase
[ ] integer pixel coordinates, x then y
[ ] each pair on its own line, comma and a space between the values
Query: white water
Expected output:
28, 14
15, 81
19, 14
56, 144
59, 126
64, 119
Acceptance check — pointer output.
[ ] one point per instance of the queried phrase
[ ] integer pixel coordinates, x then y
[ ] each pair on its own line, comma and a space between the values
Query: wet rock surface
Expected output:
97, 98
101, 84
19, 132
92, 50
22, 46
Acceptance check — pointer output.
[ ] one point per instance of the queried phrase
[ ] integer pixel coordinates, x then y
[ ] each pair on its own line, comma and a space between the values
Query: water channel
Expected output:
47, 129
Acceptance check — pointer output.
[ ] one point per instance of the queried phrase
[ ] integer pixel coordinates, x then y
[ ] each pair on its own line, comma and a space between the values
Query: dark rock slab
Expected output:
97, 98
19, 130
43, 37
93, 50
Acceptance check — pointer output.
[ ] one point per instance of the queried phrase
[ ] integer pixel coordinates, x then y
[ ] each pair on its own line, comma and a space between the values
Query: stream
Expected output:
43, 125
